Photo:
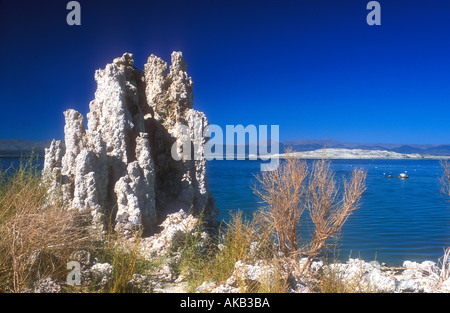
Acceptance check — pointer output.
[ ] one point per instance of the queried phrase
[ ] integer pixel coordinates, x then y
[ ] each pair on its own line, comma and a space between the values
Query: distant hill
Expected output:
302, 145
16, 147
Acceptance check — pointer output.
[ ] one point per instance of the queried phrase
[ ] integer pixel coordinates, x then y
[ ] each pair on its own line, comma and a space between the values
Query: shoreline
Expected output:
358, 154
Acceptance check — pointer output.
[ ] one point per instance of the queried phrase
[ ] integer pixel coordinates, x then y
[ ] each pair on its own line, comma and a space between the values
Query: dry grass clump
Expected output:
244, 240
36, 239
126, 260
235, 244
213, 259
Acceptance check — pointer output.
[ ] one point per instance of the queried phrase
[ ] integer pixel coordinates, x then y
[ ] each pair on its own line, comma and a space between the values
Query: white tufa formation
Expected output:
120, 169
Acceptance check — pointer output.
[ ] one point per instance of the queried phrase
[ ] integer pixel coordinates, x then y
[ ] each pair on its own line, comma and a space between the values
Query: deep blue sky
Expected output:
313, 67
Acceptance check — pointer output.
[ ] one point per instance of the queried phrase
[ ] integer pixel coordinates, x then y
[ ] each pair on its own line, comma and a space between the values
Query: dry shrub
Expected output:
327, 211
293, 189
282, 191
445, 179
36, 239
445, 266
445, 190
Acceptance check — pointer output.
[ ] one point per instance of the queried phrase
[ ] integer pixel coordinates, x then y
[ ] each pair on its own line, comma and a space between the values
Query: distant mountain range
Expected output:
15, 147
302, 145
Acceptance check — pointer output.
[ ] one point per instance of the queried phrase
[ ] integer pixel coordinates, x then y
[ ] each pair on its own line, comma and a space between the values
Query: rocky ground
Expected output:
412, 277
358, 275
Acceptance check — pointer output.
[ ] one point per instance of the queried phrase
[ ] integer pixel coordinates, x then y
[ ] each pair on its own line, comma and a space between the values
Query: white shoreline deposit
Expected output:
336, 153
358, 276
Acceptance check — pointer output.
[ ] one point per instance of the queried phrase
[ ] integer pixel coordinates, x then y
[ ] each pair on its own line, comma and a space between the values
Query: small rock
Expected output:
99, 275
409, 286
140, 283
165, 274
83, 257
176, 225
46, 285
445, 286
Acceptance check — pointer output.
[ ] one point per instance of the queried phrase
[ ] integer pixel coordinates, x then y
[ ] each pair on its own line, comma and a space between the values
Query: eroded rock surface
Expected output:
119, 170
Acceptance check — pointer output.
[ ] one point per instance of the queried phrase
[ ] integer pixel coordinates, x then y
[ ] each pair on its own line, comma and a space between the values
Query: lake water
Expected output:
399, 219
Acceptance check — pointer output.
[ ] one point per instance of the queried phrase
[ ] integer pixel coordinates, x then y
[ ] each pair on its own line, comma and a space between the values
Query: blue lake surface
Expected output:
399, 219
